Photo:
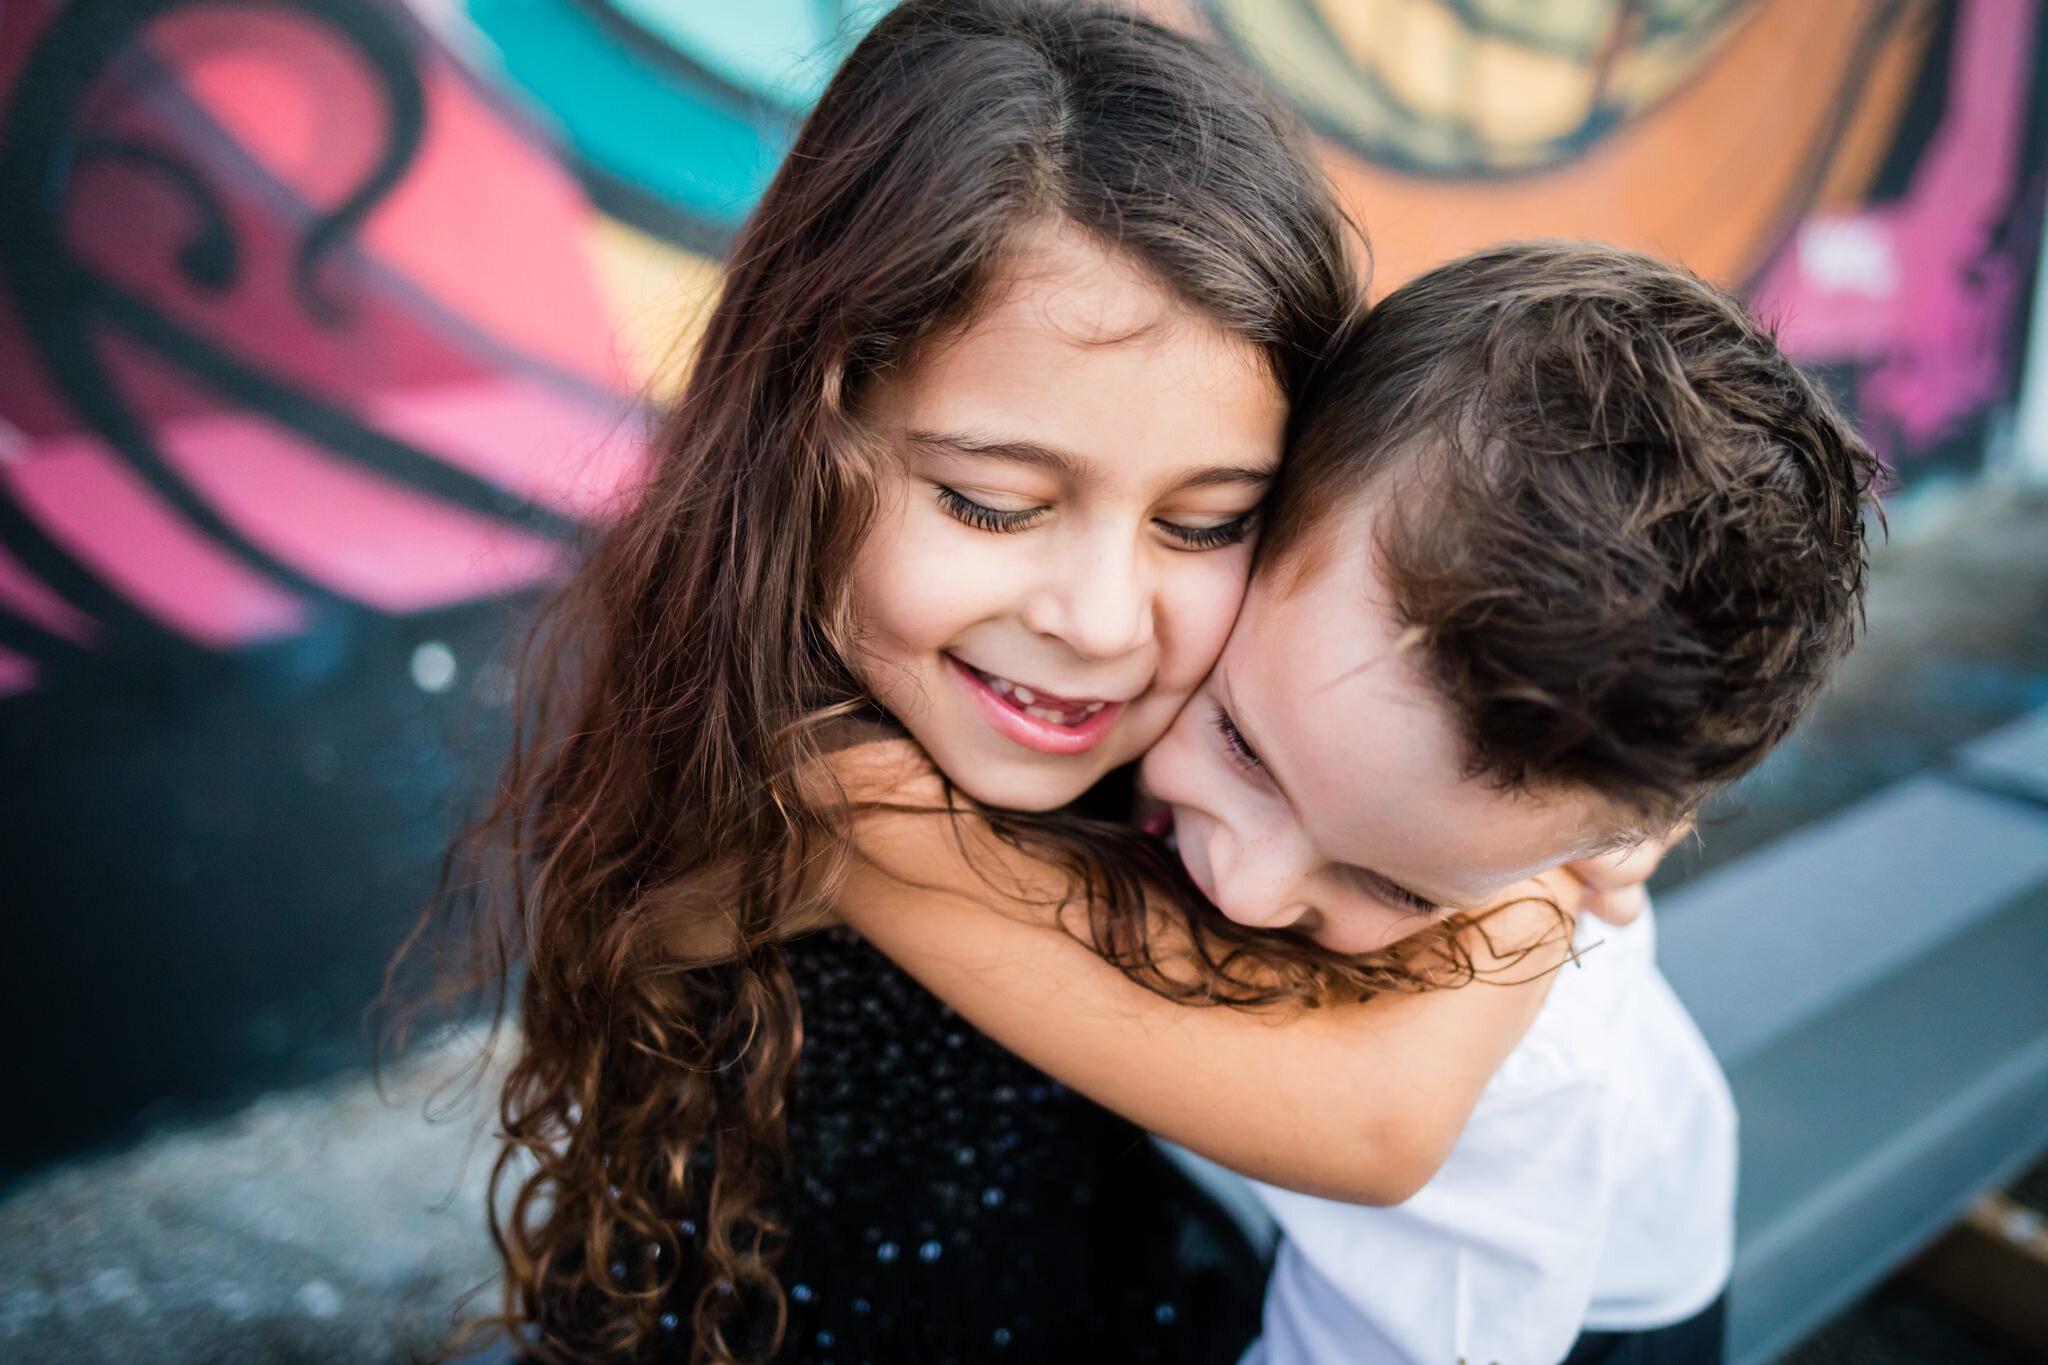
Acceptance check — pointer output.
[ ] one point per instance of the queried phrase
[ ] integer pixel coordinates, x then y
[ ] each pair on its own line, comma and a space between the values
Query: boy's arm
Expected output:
1357, 1102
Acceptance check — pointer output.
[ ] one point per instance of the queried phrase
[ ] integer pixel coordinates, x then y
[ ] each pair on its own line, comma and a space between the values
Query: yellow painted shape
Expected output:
1524, 97
1566, 26
1413, 75
659, 298
1423, 55
1304, 63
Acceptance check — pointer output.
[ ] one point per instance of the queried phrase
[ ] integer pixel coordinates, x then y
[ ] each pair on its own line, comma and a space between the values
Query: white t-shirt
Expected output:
1594, 1187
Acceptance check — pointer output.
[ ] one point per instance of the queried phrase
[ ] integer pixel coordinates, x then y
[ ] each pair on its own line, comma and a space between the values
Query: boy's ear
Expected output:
1615, 881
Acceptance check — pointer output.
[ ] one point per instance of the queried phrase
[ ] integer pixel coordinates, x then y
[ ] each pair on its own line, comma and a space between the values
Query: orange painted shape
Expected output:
1713, 177
1874, 125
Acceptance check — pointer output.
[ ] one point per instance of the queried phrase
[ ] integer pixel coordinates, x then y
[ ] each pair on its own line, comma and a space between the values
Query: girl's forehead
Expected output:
1057, 278
1087, 353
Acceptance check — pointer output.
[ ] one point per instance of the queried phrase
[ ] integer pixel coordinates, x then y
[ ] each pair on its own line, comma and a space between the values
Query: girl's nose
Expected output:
1099, 603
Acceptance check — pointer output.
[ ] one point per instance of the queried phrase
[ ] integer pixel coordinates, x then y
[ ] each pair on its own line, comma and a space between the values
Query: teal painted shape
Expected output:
782, 50
681, 139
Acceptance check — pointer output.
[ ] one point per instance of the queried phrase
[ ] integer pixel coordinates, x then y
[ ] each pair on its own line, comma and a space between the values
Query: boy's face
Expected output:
1317, 779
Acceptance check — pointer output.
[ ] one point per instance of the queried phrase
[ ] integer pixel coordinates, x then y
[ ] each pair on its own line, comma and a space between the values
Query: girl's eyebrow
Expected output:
1223, 475
1015, 452
1069, 466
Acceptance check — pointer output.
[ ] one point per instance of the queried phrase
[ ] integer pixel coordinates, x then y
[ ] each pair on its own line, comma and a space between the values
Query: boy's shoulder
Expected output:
1586, 1030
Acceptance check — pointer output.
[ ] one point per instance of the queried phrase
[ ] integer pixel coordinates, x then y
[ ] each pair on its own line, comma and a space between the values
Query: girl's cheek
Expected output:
1201, 606
1177, 770
918, 582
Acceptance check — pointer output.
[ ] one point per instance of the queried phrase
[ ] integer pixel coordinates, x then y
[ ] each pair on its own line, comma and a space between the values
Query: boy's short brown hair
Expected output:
1625, 530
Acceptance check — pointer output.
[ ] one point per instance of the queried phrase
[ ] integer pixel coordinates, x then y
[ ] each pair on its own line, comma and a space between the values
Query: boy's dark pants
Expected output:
1696, 1341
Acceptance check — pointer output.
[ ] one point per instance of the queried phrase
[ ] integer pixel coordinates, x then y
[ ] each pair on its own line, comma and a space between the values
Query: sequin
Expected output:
904, 1141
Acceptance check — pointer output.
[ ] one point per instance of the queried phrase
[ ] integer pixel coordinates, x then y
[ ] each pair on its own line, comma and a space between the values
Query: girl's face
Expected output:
1064, 537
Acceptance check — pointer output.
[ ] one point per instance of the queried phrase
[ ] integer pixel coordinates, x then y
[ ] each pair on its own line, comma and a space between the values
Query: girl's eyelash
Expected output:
1211, 537
1234, 741
981, 516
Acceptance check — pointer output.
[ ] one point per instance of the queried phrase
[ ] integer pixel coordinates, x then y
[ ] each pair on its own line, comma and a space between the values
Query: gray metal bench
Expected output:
1876, 985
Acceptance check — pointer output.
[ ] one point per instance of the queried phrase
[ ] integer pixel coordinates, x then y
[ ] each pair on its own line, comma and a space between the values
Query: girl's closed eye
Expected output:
982, 517
1006, 521
1233, 532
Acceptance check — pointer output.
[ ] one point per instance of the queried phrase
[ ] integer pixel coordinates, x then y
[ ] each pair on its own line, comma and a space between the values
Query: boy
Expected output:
1563, 545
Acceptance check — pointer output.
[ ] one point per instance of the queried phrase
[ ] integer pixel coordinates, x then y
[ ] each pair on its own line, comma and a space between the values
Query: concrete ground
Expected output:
1901, 1325
326, 1225
329, 1225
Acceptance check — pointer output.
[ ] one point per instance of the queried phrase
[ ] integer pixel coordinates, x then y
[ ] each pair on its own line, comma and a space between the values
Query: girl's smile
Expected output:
1037, 719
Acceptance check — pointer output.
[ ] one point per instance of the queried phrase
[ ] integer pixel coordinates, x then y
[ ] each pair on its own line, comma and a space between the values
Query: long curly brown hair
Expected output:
655, 813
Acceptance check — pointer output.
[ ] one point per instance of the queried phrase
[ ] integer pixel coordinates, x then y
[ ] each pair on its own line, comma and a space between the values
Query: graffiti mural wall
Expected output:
327, 326
1869, 172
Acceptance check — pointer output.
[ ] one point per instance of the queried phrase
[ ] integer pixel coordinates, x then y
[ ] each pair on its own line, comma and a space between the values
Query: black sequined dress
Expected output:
956, 1205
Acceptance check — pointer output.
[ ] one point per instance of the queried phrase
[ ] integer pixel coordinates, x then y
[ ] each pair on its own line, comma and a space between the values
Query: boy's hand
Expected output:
1615, 881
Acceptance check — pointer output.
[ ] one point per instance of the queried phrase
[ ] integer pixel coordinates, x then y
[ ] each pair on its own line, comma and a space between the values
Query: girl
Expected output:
1025, 265
1133, 263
